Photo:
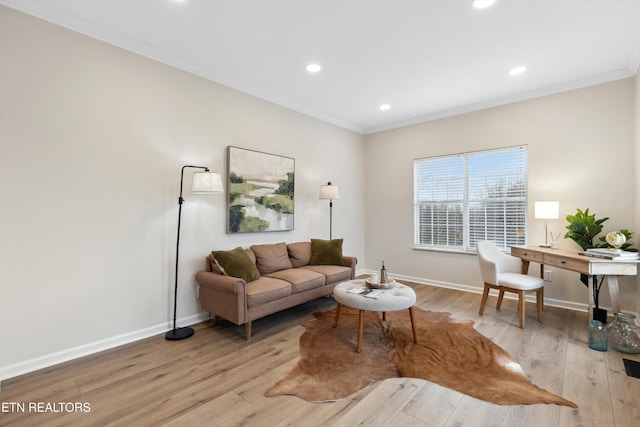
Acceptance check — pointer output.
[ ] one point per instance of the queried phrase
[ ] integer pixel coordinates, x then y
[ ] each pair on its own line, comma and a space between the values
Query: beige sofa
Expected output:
289, 274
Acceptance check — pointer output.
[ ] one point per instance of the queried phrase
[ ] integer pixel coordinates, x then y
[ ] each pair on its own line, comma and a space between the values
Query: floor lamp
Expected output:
329, 192
203, 183
546, 211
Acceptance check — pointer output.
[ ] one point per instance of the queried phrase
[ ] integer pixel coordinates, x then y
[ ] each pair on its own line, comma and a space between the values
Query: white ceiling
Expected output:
426, 58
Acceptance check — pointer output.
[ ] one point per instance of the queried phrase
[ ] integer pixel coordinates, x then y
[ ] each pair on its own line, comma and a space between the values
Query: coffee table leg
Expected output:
360, 329
413, 326
338, 305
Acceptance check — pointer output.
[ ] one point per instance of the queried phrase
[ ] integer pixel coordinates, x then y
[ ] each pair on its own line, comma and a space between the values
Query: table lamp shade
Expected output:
206, 183
547, 210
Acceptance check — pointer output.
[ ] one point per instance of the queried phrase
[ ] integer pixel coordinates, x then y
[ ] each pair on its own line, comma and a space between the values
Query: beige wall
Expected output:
92, 140
581, 153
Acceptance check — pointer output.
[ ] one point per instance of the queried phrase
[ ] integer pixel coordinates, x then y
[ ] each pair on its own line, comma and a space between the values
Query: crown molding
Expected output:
497, 102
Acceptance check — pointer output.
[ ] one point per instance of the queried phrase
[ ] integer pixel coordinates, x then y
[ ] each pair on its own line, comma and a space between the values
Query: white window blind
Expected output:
465, 198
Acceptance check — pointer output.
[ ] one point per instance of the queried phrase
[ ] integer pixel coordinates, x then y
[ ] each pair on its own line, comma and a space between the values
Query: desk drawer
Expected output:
567, 263
526, 254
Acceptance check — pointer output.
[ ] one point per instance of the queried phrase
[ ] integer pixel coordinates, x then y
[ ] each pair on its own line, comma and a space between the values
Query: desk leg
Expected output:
591, 284
614, 292
525, 266
638, 302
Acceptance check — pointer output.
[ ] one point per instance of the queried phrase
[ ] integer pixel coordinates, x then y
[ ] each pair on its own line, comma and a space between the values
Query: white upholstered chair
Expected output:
504, 273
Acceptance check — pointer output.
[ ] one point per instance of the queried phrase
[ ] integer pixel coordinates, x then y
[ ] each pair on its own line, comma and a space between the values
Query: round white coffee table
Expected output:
399, 297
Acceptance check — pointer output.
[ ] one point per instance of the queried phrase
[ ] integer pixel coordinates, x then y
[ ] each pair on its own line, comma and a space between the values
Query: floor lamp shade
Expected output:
206, 183
203, 183
329, 192
546, 211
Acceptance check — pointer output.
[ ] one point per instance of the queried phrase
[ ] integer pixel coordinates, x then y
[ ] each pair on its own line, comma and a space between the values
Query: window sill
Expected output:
445, 250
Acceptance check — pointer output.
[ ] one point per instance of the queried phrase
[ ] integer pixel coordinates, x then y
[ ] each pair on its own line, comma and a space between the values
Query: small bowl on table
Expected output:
380, 285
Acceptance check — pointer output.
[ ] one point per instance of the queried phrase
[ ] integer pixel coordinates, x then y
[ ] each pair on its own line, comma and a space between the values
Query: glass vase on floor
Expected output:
597, 336
623, 334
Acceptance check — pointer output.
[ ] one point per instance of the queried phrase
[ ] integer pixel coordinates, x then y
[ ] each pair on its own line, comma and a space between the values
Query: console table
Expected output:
572, 260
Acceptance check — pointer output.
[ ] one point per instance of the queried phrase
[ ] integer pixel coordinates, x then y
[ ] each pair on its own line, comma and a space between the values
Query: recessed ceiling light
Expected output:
482, 4
385, 107
517, 70
314, 68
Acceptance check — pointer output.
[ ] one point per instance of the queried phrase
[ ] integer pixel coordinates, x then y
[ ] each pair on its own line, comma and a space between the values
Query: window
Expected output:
465, 198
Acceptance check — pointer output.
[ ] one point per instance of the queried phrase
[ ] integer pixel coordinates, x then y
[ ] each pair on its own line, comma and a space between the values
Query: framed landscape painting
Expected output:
261, 189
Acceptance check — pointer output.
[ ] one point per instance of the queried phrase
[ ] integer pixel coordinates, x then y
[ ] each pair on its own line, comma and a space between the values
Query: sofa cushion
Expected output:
326, 252
236, 263
301, 280
333, 273
215, 267
272, 257
266, 289
299, 253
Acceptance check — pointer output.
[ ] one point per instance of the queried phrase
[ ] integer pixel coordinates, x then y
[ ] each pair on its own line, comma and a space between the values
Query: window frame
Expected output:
507, 230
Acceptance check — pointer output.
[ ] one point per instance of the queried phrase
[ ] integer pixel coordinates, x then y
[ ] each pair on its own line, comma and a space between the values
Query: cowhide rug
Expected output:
449, 352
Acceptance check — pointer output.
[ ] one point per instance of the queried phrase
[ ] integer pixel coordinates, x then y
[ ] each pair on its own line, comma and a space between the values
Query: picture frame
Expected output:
261, 191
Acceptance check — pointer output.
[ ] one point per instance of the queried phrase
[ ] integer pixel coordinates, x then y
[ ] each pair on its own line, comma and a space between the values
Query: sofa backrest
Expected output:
299, 253
272, 257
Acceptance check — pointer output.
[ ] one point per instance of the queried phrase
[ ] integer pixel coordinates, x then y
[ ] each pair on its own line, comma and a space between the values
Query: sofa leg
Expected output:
247, 331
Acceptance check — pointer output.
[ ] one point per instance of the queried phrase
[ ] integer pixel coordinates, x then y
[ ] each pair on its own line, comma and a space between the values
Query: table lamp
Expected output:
546, 211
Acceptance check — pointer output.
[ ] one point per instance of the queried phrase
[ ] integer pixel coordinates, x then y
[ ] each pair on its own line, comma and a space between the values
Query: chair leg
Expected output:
540, 302
521, 308
485, 294
500, 296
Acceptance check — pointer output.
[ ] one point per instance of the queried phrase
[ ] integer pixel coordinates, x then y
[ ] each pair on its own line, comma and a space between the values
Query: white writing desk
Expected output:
591, 266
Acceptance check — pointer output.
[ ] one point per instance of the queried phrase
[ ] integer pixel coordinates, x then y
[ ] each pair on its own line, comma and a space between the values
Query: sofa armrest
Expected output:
351, 261
224, 296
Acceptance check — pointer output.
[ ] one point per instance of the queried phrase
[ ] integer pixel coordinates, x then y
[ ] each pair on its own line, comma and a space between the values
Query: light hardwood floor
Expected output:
216, 378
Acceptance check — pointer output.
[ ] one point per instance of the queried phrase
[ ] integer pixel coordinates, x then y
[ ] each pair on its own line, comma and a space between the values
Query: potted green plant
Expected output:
583, 229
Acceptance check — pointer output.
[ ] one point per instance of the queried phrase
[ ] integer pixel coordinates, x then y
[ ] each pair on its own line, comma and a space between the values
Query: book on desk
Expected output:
613, 254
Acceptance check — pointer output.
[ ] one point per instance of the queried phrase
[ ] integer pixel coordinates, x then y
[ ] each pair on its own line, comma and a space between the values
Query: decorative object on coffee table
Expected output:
203, 183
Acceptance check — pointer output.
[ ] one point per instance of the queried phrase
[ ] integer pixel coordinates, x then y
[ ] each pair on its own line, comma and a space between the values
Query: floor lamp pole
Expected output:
180, 333
330, 217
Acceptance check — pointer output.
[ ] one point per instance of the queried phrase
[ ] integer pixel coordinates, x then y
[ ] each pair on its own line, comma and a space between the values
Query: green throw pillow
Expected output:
237, 263
326, 252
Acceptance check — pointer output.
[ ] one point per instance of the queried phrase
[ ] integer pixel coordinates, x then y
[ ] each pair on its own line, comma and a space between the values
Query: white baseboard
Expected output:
34, 364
